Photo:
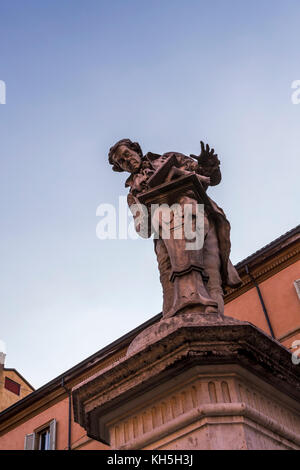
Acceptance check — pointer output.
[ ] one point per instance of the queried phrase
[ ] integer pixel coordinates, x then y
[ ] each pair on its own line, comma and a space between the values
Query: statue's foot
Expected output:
214, 309
202, 305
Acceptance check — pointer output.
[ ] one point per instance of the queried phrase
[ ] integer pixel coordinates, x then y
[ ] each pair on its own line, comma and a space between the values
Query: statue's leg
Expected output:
164, 266
187, 276
212, 266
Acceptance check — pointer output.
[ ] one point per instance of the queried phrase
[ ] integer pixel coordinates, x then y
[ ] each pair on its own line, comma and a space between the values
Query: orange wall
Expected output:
281, 300
14, 439
247, 307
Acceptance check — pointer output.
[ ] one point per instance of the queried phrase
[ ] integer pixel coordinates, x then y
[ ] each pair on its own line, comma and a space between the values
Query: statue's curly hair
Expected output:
135, 146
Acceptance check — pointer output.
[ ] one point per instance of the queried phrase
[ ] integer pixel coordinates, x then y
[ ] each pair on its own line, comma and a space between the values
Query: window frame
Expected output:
33, 440
39, 436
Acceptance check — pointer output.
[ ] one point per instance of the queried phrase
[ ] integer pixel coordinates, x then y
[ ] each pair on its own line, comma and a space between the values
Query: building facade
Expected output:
13, 387
269, 298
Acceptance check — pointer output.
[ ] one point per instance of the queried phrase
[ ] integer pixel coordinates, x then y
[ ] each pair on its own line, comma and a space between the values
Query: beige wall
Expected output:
8, 398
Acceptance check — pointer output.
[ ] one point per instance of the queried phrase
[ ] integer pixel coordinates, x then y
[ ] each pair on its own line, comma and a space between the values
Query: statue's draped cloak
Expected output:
150, 163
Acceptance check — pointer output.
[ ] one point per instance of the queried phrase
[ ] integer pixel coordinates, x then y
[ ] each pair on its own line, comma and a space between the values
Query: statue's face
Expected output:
128, 159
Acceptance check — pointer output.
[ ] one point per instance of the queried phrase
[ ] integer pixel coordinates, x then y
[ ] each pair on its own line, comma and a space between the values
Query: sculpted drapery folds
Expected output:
192, 279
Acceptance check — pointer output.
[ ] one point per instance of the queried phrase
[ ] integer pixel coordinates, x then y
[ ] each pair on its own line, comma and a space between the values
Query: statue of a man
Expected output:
192, 280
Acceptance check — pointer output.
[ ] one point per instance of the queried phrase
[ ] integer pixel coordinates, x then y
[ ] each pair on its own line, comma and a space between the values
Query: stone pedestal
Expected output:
195, 382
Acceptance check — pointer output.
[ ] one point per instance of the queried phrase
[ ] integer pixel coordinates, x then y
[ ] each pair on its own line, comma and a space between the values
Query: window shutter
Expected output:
52, 434
12, 386
297, 287
29, 441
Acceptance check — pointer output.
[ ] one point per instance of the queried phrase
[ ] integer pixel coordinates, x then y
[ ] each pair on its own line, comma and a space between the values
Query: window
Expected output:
42, 438
12, 386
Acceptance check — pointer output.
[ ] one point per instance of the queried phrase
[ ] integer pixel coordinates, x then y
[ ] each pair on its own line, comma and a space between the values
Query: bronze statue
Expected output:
192, 280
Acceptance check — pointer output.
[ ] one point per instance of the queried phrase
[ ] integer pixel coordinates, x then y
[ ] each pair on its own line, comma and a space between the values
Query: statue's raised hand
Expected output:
208, 163
207, 154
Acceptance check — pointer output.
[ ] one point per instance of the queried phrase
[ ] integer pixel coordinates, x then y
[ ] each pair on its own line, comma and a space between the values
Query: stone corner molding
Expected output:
187, 376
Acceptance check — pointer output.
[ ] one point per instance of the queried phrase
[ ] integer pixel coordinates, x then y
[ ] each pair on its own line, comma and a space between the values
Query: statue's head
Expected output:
126, 155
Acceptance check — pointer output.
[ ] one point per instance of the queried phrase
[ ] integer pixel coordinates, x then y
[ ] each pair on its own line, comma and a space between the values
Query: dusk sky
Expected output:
81, 75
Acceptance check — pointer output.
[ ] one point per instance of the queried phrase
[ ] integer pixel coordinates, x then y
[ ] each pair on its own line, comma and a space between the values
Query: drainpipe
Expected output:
70, 412
261, 300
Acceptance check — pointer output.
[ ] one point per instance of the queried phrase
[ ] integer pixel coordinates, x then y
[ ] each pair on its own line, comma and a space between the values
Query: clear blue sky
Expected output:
81, 75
